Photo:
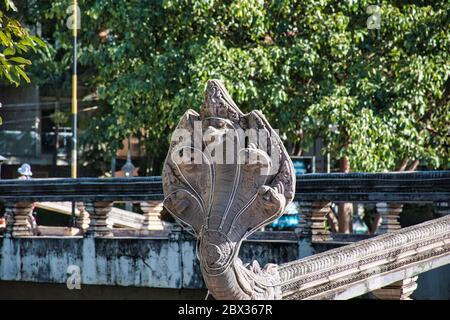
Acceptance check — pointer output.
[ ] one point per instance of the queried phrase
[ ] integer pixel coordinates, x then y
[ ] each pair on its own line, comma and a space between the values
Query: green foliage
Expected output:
15, 42
59, 117
313, 67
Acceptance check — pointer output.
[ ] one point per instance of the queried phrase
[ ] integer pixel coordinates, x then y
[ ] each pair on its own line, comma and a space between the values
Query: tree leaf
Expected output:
10, 3
5, 40
23, 74
9, 51
20, 60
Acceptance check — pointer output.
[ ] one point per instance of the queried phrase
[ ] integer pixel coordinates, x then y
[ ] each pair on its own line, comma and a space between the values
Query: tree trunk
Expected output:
345, 209
413, 166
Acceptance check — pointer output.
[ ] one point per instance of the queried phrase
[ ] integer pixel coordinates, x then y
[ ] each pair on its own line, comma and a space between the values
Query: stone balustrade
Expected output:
95, 197
315, 191
370, 264
152, 215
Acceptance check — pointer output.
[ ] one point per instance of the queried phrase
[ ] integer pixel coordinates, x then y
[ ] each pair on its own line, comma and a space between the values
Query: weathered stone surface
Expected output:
350, 271
139, 262
390, 215
314, 218
152, 215
224, 200
420, 186
390, 221
400, 290
99, 225
22, 225
83, 219
223, 204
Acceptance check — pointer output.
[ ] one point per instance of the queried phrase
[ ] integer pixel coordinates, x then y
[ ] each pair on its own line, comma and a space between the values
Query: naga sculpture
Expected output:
226, 175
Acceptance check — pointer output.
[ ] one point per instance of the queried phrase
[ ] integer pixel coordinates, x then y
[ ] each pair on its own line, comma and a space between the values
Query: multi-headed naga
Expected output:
227, 174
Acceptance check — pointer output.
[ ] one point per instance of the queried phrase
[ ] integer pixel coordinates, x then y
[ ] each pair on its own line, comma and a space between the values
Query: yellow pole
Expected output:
74, 92
74, 103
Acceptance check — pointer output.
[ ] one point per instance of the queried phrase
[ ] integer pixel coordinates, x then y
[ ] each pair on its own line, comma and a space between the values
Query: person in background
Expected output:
26, 174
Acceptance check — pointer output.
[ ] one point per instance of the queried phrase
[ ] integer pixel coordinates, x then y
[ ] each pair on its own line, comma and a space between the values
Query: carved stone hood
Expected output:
226, 175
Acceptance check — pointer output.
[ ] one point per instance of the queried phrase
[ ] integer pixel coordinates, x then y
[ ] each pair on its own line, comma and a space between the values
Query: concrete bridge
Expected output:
98, 254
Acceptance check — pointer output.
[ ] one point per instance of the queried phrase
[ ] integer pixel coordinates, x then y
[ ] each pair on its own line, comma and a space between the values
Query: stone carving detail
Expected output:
99, 225
314, 218
400, 290
152, 215
226, 197
390, 214
22, 217
9, 215
322, 272
82, 220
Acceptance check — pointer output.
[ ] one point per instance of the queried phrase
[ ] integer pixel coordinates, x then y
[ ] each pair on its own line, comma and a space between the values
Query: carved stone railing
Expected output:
402, 187
370, 264
433, 186
82, 190
406, 187
94, 198
120, 218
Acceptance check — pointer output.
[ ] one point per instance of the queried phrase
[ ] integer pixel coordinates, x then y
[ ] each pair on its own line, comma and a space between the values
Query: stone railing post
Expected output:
9, 216
21, 226
175, 233
152, 215
314, 218
82, 220
400, 290
306, 222
312, 226
390, 214
99, 225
